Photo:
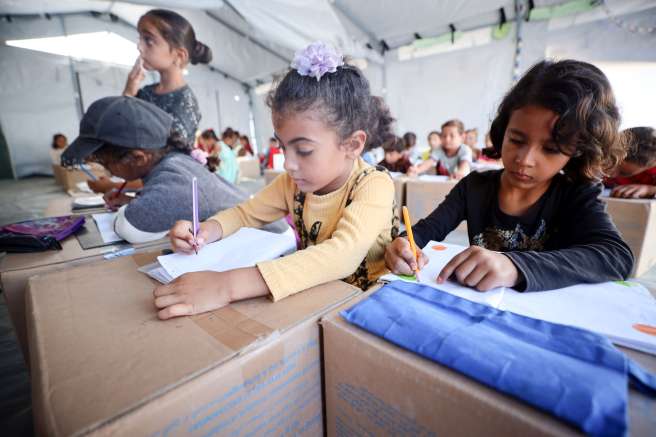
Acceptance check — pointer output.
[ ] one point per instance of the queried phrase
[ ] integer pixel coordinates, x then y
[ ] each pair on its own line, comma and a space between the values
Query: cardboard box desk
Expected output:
103, 364
249, 167
376, 388
399, 192
422, 197
69, 178
64, 206
636, 221
270, 175
17, 268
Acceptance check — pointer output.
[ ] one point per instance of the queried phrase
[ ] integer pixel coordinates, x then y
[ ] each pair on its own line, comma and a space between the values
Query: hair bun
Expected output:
201, 55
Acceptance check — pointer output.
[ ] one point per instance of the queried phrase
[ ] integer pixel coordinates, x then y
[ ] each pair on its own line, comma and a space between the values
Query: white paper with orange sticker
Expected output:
624, 311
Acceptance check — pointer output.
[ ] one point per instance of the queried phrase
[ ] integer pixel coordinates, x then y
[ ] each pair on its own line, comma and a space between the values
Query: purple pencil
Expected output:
194, 205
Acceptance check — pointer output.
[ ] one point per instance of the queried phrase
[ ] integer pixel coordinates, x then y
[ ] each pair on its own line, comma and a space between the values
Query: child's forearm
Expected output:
246, 283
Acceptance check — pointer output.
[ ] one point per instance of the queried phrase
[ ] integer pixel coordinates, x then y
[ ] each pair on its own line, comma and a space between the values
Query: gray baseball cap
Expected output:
121, 121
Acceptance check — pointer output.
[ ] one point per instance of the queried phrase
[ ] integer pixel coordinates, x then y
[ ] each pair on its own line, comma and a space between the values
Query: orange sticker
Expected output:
647, 329
439, 247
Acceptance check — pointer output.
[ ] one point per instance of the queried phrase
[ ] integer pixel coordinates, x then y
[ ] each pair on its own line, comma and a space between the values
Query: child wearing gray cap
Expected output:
133, 139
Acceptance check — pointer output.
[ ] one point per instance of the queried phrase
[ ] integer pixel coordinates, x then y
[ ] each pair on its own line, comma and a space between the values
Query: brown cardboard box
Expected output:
17, 268
69, 178
103, 364
636, 221
376, 388
422, 197
270, 175
249, 167
399, 191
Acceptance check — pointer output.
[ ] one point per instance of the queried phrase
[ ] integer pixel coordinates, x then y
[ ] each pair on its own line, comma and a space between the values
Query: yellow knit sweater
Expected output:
346, 231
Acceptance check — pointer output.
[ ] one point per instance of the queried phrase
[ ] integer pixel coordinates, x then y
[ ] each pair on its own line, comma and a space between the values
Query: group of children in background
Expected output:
537, 223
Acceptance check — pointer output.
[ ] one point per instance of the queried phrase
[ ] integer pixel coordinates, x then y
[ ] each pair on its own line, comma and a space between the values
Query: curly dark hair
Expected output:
343, 98
641, 145
588, 122
117, 153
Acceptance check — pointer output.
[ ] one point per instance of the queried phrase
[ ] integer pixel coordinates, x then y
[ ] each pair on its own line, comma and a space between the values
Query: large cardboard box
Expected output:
376, 388
399, 191
636, 221
17, 268
249, 167
422, 197
68, 178
103, 364
270, 175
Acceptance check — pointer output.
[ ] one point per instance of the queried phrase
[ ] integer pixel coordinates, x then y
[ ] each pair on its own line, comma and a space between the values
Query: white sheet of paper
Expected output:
89, 201
244, 248
611, 308
105, 223
82, 186
438, 259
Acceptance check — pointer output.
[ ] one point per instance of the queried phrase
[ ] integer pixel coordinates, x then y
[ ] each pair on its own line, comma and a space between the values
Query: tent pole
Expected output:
520, 12
77, 90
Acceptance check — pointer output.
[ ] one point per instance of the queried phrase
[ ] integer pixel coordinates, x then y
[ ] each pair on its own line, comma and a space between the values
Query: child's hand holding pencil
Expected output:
402, 256
182, 240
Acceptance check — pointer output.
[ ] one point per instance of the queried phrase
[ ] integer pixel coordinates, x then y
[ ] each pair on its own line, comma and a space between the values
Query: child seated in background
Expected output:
273, 150
59, 144
133, 139
636, 176
434, 143
537, 224
412, 150
324, 115
488, 152
471, 141
452, 159
395, 159
221, 152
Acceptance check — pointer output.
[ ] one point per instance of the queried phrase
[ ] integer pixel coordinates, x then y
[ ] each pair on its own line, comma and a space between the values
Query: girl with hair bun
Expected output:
167, 44
324, 116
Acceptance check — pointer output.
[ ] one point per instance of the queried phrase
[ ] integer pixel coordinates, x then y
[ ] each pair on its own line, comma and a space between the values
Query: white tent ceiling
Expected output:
253, 39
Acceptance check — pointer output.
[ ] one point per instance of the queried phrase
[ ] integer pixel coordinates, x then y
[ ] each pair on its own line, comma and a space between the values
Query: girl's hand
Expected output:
198, 292
101, 185
182, 240
413, 171
634, 191
192, 293
135, 77
399, 258
481, 269
114, 201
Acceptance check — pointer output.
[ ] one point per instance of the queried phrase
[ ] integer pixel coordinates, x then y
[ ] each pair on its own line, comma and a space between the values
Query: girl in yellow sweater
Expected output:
324, 116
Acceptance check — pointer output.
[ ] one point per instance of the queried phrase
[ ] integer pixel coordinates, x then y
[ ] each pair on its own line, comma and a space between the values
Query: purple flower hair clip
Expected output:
199, 155
316, 60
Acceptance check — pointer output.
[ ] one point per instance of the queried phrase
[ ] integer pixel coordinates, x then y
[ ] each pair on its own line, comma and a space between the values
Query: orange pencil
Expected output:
411, 238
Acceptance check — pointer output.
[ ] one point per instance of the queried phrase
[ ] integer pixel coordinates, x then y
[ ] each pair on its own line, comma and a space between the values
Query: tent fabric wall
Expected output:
469, 84
466, 84
37, 92
37, 89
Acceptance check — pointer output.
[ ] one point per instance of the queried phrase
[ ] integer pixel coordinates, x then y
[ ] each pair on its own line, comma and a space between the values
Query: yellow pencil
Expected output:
408, 228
